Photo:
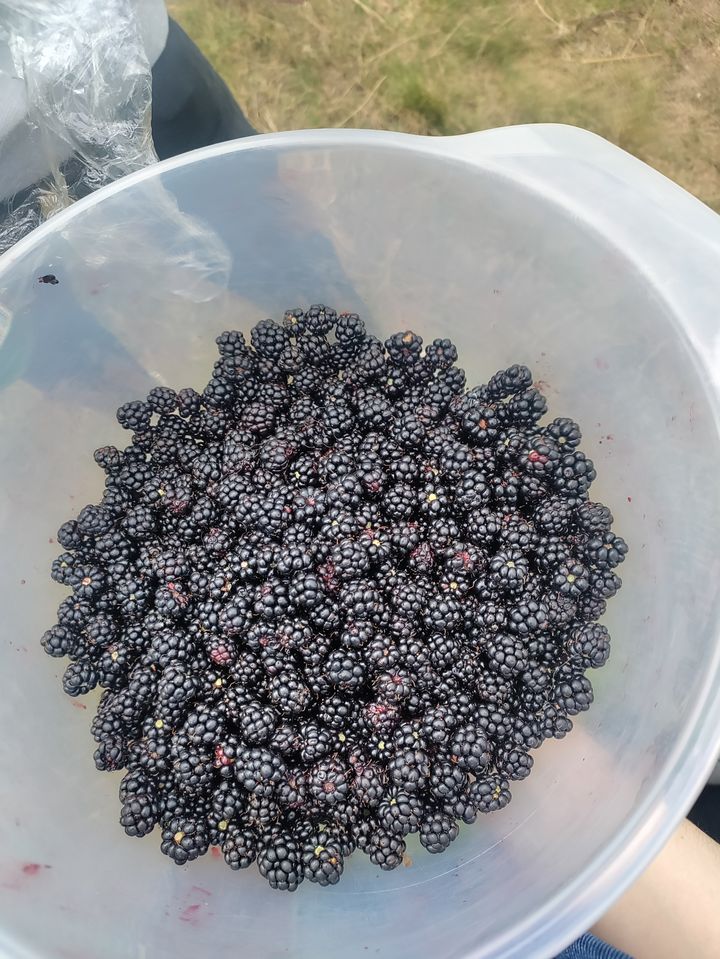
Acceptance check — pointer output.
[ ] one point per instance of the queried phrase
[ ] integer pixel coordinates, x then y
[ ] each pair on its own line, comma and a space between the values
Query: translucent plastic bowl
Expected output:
542, 245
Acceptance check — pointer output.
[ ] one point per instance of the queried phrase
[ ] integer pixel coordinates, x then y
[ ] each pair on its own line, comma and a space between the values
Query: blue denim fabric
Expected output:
590, 947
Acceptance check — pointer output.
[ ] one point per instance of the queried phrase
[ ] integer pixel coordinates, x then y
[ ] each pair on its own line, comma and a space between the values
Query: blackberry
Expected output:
108, 458
565, 432
589, 645
555, 515
239, 846
509, 570
184, 839
345, 669
260, 771
261, 811
400, 812
527, 618
441, 353
561, 609
369, 782
409, 769
280, 861
513, 762
136, 782
489, 794
60, 641
328, 782
385, 849
574, 474
573, 691
554, 723
288, 693
603, 550
506, 383
571, 579
322, 854
188, 401
292, 792
448, 781
592, 517
493, 688
379, 718
437, 831
470, 748
94, 521
604, 584
315, 742
79, 678
138, 815
192, 767
269, 339
256, 722
134, 416
526, 730
162, 399
65, 570
507, 654
492, 616
111, 754
286, 740
176, 688
204, 725
526, 408
480, 424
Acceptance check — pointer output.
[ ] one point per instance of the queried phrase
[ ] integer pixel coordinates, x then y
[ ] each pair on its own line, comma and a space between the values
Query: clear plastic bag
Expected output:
88, 88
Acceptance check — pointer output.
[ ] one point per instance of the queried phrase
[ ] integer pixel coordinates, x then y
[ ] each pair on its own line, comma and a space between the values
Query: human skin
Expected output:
673, 909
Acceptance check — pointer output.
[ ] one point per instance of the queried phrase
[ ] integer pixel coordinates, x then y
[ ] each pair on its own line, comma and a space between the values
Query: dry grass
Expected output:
643, 73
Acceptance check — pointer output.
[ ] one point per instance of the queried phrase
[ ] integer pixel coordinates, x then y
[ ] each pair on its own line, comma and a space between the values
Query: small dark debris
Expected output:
49, 278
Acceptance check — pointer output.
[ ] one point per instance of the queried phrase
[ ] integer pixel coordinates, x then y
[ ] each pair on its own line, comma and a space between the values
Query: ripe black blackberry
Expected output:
80, 677
528, 617
554, 722
488, 794
573, 691
135, 415
328, 782
509, 570
507, 654
385, 849
470, 748
256, 722
138, 815
400, 812
239, 846
409, 769
280, 861
571, 579
269, 339
603, 550
574, 474
437, 831
184, 839
513, 762
322, 854
589, 645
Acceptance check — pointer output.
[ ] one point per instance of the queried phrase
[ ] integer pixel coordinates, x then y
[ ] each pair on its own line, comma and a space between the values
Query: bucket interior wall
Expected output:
409, 241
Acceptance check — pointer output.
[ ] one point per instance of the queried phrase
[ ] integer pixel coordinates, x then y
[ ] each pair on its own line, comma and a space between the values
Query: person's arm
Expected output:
673, 909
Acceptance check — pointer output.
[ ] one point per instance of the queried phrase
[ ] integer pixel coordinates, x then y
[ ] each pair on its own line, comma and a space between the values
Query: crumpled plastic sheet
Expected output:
88, 86
89, 92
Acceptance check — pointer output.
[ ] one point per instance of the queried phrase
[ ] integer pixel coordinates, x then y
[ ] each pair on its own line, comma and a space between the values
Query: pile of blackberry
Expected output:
335, 599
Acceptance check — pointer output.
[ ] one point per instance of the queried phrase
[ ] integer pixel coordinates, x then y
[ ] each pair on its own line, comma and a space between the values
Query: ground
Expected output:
643, 73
